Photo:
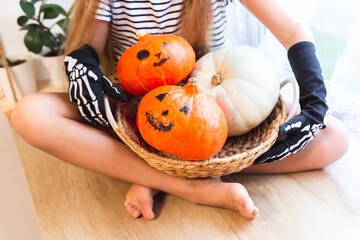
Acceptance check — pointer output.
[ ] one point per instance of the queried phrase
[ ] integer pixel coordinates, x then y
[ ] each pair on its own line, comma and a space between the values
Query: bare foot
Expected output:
212, 192
139, 201
216, 193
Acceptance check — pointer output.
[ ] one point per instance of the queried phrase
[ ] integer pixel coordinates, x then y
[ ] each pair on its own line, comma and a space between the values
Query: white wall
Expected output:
12, 39
17, 214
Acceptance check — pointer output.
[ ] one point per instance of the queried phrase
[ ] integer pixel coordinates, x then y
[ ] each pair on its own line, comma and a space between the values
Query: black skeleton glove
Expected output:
87, 84
301, 129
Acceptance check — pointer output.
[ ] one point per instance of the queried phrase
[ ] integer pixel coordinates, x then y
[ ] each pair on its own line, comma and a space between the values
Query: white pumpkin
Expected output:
243, 81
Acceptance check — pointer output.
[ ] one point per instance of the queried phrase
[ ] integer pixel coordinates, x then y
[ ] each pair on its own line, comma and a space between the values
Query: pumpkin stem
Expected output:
140, 34
193, 81
192, 86
217, 79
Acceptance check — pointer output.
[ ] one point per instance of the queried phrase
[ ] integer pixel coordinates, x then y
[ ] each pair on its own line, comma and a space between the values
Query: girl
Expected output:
79, 134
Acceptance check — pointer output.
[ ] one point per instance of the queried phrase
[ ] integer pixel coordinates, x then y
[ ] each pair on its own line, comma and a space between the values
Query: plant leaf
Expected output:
22, 20
30, 27
47, 38
64, 24
32, 41
59, 9
50, 13
55, 8
34, 1
28, 8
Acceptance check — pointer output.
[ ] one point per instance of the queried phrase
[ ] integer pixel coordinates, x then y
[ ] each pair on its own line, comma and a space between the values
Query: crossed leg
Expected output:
329, 145
42, 118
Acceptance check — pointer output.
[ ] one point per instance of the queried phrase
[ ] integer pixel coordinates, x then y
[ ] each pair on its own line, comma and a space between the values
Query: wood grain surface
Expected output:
73, 203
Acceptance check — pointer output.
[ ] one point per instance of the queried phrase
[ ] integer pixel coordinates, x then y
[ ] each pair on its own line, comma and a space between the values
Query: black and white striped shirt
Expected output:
155, 17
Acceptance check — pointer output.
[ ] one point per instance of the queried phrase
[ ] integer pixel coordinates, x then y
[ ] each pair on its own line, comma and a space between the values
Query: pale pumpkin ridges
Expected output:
218, 58
263, 98
203, 75
246, 101
210, 67
230, 110
231, 60
259, 83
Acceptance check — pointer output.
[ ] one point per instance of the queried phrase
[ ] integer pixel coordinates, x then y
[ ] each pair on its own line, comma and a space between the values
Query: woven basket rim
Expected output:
167, 164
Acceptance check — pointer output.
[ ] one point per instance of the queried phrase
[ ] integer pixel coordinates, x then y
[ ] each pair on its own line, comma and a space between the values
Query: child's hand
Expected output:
87, 84
302, 129
299, 131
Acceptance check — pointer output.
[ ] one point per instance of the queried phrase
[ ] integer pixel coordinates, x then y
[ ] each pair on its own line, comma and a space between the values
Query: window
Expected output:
335, 26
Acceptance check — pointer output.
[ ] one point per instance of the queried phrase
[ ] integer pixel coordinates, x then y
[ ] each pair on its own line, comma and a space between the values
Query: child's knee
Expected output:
28, 115
336, 141
22, 111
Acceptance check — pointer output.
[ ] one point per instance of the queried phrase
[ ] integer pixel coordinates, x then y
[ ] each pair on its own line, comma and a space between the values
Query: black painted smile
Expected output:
158, 125
161, 62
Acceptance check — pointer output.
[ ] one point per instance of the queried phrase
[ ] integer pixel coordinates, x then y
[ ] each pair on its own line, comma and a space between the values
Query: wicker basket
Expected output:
238, 152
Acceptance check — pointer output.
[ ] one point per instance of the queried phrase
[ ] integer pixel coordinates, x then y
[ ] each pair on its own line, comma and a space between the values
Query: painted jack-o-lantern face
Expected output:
182, 121
155, 61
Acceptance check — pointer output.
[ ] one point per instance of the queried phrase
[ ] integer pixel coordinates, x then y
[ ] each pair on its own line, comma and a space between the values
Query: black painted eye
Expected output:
165, 113
185, 109
161, 96
165, 45
143, 54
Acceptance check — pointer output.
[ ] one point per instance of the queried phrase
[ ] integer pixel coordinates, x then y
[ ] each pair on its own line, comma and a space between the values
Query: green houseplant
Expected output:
46, 25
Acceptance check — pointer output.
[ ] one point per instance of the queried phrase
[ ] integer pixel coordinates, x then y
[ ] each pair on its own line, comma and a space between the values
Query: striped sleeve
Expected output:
104, 10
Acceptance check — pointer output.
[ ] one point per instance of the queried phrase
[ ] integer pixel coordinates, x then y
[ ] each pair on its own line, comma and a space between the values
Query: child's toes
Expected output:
147, 211
254, 214
136, 213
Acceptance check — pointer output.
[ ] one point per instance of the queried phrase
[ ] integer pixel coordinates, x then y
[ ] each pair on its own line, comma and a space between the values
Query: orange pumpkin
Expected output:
155, 61
182, 121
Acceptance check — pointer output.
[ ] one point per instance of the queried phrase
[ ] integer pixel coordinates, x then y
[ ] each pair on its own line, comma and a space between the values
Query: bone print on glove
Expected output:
301, 129
87, 84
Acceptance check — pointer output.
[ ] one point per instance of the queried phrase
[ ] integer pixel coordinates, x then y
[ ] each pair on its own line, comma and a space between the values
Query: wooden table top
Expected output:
73, 203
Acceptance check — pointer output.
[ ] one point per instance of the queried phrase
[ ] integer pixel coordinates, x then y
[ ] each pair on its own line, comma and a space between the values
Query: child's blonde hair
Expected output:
196, 19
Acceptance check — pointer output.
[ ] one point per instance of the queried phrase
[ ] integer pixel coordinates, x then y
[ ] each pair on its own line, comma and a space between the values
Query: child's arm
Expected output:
87, 82
300, 130
278, 21
98, 39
